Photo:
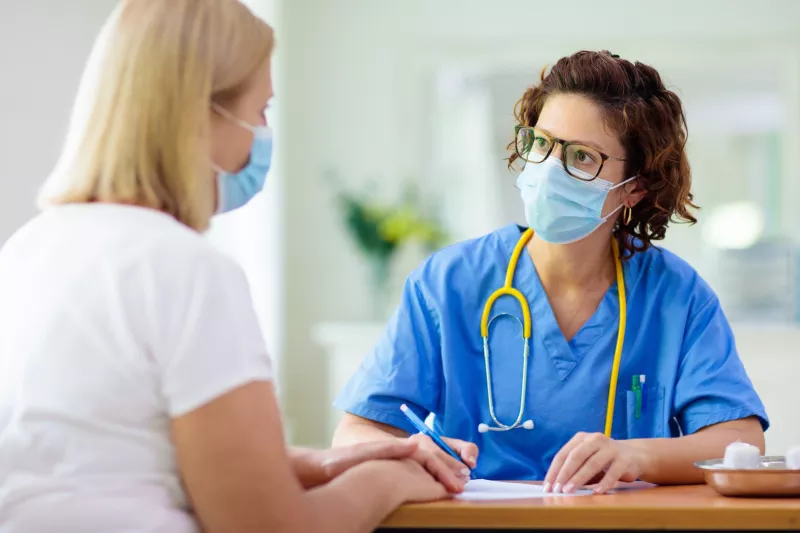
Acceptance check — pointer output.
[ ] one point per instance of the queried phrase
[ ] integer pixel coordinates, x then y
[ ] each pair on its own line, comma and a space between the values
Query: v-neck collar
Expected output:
564, 355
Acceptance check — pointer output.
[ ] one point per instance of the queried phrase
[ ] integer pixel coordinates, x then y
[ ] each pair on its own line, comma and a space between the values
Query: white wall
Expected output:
345, 85
43, 46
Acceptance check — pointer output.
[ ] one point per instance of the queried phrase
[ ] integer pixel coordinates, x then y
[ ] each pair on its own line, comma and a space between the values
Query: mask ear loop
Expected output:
233, 118
627, 211
221, 172
259, 132
621, 183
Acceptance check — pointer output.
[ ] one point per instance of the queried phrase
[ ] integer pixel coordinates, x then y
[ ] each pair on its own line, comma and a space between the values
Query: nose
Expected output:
556, 151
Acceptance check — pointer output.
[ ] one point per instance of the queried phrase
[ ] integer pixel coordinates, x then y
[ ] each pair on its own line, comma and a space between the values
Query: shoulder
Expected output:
658, 271
184, 258
469, 255
141, 243
467, 264
134, 238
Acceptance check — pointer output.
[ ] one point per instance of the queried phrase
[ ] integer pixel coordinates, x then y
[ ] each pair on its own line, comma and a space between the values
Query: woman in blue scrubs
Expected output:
627, 368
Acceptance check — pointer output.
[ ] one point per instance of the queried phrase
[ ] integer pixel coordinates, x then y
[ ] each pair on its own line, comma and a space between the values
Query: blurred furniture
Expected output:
760, 283
690, 508
771, 355
345, 344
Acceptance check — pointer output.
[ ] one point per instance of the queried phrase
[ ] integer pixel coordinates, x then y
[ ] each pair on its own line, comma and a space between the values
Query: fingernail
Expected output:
568, 488
557, 488
465, 472
547, 487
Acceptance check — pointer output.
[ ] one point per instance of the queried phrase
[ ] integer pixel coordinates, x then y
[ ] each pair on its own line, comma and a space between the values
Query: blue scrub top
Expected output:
431, 357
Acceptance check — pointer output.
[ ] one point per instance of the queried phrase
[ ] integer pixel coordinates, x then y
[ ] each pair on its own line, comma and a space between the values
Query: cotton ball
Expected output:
793, 458
741, 455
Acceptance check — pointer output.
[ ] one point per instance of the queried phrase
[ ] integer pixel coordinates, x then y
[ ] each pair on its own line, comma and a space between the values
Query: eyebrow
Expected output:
576, 141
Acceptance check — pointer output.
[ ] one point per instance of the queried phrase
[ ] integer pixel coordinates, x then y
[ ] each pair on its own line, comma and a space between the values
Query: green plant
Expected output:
379, 228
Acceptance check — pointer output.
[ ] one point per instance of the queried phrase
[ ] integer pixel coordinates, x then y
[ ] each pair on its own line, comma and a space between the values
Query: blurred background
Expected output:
409, 106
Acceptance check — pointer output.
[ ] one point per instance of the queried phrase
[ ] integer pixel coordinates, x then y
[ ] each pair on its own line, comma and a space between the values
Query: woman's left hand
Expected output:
593, 458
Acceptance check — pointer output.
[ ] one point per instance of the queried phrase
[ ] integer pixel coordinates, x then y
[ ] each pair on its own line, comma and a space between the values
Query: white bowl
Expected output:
793, 458
741, 455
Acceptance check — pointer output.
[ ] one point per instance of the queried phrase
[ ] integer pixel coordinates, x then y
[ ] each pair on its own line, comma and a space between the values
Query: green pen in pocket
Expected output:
636, 387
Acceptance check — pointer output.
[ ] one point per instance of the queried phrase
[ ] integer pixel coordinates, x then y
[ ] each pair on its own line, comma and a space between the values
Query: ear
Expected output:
633, 193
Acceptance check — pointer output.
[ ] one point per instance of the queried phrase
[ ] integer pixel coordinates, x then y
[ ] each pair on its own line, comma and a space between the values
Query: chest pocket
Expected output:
650, 420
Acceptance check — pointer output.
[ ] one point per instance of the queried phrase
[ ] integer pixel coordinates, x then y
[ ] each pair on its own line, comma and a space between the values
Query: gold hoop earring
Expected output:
627, 214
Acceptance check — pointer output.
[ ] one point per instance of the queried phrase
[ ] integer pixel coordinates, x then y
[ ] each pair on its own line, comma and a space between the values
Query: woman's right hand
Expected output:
453, 474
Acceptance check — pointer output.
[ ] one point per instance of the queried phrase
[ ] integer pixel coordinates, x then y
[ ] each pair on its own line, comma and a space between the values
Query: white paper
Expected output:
484, 489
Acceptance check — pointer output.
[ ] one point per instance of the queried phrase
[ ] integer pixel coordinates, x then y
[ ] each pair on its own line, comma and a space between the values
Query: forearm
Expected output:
356, 501
671, 461
354, 429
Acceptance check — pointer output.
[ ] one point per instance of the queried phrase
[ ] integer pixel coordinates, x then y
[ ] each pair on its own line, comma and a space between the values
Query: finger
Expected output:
437, 491
615, 471
439, 470
596, 479
458, 467
558, 461
442, 493
593, 465
428, 487
431, 447
468, 451
576, 458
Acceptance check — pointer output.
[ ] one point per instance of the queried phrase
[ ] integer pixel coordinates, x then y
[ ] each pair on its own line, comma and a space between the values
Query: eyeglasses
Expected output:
580, 161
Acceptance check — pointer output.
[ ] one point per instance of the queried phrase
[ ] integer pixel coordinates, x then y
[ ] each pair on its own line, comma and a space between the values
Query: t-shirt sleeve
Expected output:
404, 367
712, 385
210, 339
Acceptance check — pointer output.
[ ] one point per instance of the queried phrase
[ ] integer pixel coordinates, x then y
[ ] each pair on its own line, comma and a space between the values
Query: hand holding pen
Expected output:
460, 456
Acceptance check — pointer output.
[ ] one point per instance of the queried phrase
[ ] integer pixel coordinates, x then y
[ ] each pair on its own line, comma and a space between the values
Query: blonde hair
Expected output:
139, 128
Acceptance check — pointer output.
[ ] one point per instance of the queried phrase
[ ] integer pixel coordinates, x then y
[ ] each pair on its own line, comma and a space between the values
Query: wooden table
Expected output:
692, 508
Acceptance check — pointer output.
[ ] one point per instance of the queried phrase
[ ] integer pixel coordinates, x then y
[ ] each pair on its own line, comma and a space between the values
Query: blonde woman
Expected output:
135, 388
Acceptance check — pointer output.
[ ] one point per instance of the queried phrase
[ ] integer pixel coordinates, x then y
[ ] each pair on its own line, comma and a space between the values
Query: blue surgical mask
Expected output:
235, 189
562, 209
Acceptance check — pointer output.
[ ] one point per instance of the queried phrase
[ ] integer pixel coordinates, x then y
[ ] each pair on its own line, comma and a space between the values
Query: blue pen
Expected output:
425, 430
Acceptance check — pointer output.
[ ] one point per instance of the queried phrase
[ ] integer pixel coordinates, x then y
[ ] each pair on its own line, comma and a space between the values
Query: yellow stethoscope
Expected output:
508, 290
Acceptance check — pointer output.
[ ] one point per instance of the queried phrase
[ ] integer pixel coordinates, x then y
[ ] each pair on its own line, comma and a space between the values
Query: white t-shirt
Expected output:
113, 319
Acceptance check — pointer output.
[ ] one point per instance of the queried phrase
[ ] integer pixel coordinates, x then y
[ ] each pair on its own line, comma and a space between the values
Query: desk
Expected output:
692, 508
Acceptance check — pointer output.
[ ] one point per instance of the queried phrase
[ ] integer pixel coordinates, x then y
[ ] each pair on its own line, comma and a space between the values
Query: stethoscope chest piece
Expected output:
485, 428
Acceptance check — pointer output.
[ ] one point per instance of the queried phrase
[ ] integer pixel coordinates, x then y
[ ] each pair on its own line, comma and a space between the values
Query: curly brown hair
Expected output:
651, 124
